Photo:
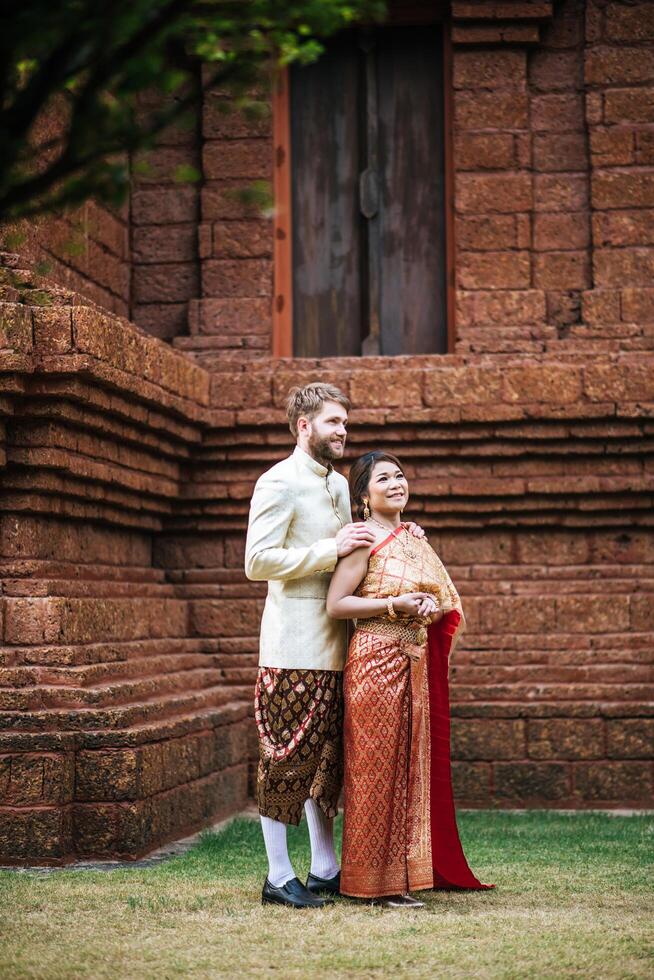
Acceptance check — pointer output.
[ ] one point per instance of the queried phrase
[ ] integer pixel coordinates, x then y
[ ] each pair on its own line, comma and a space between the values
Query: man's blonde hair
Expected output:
308, 401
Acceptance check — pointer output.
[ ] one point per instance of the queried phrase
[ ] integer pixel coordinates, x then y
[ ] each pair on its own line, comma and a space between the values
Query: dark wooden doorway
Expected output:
367, 195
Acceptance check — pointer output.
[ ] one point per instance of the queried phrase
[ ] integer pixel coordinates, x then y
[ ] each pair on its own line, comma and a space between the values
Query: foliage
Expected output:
71, 73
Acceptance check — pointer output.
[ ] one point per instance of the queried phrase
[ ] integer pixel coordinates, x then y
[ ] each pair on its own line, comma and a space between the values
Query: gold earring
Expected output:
366, 510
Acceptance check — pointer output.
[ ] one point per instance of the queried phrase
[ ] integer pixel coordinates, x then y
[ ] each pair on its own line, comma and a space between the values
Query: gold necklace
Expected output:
384, 527
409, 551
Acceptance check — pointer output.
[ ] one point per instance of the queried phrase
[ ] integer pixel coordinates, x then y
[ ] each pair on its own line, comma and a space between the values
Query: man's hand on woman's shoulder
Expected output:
353, 536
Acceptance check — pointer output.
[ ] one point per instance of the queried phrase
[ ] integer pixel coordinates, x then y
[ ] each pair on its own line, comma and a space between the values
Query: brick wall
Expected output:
129, 630
552, 199
139, 260
552, 205
533, 480
550, 134
118, 729
164, 228
85, 250
233, 312
619, 75
522, 191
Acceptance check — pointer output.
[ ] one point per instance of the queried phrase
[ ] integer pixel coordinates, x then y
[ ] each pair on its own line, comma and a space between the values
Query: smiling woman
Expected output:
399, 830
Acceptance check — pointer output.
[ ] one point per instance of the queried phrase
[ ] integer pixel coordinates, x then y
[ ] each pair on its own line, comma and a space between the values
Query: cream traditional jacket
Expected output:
297, 508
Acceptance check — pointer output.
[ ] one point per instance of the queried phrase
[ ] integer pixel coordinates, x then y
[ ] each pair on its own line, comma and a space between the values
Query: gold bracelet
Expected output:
389, 605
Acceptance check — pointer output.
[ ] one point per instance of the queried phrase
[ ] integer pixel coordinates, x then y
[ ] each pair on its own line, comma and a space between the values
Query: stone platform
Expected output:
129, 633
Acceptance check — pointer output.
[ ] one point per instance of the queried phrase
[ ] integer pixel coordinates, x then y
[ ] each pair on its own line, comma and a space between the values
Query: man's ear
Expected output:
303, 425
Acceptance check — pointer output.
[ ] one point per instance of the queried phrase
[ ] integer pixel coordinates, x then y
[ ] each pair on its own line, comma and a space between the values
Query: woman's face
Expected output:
388, 490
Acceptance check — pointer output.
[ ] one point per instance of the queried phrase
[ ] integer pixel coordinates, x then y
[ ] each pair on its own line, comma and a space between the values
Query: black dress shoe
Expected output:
324, 886
292, 894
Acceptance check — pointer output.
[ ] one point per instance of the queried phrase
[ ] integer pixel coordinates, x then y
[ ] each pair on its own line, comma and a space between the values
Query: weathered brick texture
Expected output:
86, 250
164, 231
129, 633
121, 725
532, 98
233, 311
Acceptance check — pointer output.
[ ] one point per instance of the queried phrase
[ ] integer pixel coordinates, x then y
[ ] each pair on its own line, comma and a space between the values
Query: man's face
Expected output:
328, 432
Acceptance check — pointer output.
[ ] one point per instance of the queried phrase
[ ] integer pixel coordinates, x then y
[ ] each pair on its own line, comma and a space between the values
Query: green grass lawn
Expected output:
573, 899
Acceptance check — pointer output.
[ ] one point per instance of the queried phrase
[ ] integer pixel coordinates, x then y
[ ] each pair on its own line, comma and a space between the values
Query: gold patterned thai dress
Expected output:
389, 819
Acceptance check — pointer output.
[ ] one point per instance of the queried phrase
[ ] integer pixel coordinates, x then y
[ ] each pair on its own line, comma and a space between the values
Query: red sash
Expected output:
451, 869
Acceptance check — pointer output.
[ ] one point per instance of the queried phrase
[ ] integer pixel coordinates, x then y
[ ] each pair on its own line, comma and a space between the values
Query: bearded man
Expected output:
300, 525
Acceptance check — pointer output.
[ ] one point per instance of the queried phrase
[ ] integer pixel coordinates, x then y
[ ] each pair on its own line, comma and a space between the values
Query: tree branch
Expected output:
67, 165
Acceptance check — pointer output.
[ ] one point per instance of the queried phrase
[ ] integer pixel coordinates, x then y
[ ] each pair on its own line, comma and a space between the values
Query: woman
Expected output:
399, 830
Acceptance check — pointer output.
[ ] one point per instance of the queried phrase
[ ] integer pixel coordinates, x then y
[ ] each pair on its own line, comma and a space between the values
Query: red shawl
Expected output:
451, 869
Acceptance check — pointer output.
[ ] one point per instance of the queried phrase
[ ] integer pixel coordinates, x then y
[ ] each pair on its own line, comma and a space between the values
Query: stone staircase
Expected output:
129, 632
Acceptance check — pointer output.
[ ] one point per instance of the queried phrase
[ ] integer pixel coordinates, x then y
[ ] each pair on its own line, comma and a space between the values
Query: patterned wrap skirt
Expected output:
386, 829
299, 718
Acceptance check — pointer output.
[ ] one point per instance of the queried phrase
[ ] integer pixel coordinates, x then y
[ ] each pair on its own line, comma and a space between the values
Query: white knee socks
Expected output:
280, 869
324, 862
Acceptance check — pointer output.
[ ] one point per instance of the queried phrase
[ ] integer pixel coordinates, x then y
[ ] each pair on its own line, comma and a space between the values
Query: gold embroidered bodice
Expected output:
402, 564
407, 564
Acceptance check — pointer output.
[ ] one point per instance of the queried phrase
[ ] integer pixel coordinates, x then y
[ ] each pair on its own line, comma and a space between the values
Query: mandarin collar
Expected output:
311, 463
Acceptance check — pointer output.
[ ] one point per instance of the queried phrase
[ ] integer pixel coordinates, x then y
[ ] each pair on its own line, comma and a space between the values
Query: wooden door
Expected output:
367, 195
327, 230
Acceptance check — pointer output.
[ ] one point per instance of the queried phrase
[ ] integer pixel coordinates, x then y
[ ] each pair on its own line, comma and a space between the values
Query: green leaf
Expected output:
93, 60
186, 174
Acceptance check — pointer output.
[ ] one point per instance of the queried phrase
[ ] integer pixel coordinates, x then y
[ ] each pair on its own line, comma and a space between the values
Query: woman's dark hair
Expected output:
360, 473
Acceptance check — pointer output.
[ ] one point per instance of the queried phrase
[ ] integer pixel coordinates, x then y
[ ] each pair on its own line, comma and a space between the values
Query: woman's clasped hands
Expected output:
418, 605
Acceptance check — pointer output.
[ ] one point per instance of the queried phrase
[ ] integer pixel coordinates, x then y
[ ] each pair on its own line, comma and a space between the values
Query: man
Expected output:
299, 526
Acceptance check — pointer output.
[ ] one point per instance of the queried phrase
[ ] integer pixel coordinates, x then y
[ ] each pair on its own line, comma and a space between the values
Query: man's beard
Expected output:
321, 449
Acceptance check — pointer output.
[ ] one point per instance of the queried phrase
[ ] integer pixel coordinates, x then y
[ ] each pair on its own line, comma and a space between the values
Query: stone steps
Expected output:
553, 658
35, 621
84, 589
557, 641
127, 426
153, 730
463, 674
113, 693
102, 673
485, 692
114, 446
68, 656
81, 717
37, 569
203, 585
543, 577
212, 576
121, 716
